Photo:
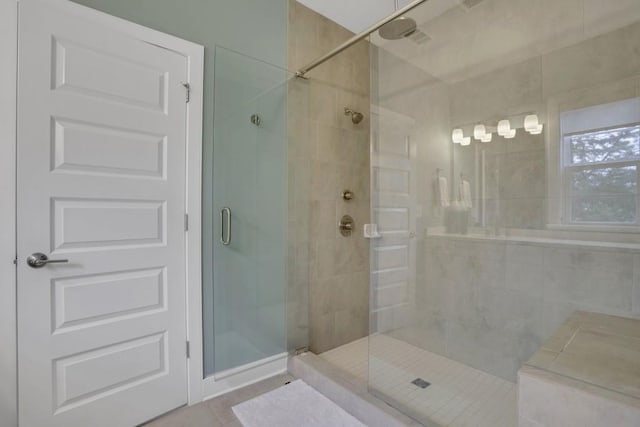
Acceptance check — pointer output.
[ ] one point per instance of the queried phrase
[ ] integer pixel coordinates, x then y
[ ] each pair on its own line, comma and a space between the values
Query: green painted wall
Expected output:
257, 28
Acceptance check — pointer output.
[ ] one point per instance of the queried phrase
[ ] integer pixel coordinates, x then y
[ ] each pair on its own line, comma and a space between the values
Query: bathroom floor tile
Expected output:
217, 412
458, 395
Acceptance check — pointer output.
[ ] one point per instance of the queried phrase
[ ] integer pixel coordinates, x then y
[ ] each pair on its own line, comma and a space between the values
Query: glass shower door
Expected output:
245, 303
526, 206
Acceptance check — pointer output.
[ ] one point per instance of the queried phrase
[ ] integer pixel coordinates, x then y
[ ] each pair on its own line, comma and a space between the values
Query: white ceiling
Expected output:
354, 15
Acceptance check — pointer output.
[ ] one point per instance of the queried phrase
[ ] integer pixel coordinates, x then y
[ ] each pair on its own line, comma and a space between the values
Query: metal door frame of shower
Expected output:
355, 39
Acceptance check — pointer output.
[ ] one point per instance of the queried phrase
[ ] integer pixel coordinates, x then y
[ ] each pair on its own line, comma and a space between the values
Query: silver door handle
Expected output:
39, 260
225, 212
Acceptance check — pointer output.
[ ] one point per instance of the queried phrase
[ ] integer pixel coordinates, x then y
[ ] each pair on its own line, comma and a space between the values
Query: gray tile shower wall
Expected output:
328, 294
491, 305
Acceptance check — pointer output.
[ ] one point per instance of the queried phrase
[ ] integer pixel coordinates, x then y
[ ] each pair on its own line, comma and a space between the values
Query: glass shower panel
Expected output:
246, 308
505, 159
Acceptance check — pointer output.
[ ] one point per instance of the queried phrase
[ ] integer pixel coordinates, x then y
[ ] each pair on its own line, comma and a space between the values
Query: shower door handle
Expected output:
225, 226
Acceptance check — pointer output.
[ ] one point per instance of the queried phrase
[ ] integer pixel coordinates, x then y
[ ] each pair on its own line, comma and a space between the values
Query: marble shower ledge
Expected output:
537, 241
597, 349
587, 373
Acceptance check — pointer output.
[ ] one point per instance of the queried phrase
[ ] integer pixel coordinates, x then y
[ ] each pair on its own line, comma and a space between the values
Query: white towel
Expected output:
441, 188
464, 190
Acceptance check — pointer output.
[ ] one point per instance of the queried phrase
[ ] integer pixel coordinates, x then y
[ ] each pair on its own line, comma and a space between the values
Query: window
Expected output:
601, 164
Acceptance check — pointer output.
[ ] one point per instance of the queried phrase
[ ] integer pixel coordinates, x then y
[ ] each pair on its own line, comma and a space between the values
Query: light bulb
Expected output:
511, 134
457, 136
479, 132
531, 123
466, 141
487, 137
504, 127
537, 130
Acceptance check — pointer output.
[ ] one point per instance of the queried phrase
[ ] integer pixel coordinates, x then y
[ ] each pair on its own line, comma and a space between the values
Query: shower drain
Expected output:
421, 383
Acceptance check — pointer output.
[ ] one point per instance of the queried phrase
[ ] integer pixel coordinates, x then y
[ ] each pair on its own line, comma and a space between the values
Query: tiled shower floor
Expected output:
458, 396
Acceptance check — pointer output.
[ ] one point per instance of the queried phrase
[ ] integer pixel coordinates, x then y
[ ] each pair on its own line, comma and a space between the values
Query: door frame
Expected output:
194, 55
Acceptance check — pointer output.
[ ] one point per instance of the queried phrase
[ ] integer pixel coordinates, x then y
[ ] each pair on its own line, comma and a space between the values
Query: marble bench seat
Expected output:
586, 374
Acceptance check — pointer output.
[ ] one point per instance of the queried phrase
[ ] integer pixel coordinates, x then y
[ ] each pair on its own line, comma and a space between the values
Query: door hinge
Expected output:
188, 351
186, 222
187, 86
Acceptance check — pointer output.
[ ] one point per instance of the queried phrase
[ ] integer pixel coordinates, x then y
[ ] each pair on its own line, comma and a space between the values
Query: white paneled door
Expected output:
101, 186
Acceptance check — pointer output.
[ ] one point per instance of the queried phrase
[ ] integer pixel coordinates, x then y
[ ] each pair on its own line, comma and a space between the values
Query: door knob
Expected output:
39, 260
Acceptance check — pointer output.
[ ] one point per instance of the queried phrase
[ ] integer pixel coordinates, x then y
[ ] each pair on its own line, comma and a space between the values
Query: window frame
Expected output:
569, 169
566, 169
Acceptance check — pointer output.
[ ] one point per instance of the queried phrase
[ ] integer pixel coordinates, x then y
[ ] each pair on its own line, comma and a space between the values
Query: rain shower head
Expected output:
356, 117
398, 28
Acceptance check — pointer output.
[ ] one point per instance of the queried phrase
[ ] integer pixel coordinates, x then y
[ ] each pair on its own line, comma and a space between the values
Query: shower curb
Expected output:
347, 391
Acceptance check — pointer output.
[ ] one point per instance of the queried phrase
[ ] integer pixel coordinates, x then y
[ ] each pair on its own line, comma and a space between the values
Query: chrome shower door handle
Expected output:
225, 226
39, 260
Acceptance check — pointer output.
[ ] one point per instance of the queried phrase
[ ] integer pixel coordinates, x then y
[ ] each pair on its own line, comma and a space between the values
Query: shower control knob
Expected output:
346, 226
347, 195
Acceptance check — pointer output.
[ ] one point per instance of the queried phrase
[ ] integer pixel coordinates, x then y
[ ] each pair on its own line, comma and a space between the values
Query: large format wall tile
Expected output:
495, 303
329, 299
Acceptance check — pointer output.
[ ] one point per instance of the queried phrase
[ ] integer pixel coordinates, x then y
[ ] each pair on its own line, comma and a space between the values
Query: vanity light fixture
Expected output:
484, 133
504, 127
536, 131
457, 136
532, 124
479, 132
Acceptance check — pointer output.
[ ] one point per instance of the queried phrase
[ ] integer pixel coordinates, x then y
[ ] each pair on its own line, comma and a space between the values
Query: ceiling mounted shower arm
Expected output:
355, 39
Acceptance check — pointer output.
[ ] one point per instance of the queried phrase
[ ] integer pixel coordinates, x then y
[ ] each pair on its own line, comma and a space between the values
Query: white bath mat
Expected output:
293, 405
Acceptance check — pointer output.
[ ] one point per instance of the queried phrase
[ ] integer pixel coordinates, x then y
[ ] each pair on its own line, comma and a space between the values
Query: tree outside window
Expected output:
601, 175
